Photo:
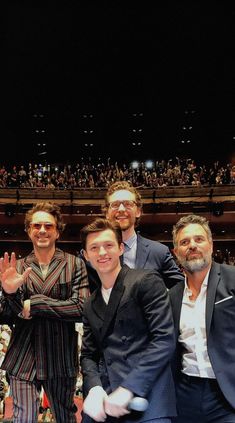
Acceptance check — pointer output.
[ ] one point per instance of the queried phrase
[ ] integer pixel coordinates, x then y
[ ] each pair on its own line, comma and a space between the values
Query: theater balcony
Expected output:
161, 209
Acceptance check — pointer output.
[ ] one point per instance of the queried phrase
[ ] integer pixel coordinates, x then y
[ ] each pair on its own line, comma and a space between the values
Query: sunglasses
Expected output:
47, 226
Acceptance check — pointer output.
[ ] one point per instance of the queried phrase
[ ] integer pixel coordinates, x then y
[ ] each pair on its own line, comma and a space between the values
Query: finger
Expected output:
13, 260
1, 264
6, 260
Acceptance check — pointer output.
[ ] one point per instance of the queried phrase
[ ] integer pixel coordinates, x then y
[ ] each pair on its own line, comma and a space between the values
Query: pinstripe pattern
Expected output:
26, 401
56, 304
60, 393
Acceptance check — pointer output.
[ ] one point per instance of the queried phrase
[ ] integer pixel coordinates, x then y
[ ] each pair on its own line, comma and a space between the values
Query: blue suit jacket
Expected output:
220, 326
130, 342
157, 256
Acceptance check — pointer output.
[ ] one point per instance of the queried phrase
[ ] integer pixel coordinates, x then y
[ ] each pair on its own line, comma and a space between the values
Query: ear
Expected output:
121, 248
212, 247
28, 232
138, 212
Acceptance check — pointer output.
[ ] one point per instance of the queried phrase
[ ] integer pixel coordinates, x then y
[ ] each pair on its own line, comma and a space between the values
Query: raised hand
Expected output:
11, 280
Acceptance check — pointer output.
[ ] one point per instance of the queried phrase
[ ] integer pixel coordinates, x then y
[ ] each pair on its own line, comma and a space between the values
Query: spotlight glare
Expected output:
135, 165
149, 164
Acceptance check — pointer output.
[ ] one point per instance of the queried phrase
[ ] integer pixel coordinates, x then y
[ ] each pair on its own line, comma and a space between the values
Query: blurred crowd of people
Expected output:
5, 333
97, 174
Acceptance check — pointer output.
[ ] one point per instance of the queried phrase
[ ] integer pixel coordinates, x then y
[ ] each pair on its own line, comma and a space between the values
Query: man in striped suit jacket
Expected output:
43, 350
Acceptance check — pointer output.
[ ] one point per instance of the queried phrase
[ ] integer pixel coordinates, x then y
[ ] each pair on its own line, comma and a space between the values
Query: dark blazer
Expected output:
130, 342
46, 346
155, 255
220, 321
152, 255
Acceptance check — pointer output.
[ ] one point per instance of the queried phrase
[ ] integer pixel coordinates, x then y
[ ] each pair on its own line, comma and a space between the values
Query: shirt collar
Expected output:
130, 242
204, 283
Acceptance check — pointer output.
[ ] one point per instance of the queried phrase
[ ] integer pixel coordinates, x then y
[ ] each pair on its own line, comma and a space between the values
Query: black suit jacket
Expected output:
220, 326
130, 341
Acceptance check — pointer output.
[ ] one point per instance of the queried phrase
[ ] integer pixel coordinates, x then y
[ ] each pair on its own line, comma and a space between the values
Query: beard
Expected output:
124, 223
196, 264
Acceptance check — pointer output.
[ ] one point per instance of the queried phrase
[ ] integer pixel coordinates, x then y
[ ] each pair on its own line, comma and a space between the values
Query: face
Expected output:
43, 232
194, 249
103, 251
125, 216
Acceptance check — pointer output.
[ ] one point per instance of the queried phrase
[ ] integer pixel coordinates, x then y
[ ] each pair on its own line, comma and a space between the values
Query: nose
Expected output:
121, 207
42, 229
102, 251
192, 243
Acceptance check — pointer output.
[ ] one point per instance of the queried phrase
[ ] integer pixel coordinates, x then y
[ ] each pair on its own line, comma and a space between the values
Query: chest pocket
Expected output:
65, 290
62, 289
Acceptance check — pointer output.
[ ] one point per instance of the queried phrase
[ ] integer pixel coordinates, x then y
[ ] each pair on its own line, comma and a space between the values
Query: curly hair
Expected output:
122, 185
48, 207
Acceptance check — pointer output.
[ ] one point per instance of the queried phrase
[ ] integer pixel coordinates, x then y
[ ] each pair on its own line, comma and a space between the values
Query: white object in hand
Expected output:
138, 404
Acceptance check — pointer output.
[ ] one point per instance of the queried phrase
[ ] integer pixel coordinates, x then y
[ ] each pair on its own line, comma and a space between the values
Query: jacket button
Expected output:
123, 338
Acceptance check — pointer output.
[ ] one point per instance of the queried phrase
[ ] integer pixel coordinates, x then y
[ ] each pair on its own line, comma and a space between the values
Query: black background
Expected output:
112, 59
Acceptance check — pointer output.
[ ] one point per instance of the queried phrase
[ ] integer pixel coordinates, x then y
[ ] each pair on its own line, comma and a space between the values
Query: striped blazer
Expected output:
46, 346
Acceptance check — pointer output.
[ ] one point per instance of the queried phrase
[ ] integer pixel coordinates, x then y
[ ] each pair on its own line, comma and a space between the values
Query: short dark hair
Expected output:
99, 225
48, 207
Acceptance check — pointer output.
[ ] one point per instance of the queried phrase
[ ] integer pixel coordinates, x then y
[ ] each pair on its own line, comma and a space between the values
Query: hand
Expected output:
116, 404
26, 310
93, 404
10, 278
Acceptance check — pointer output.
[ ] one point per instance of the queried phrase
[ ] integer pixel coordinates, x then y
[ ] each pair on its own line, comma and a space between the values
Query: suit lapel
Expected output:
177, 305
214, 277
98, 304
55, 272
114, 301
35, 281
142, 252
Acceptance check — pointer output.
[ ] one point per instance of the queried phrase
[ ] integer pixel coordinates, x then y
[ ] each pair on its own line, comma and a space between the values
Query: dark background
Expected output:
111, 67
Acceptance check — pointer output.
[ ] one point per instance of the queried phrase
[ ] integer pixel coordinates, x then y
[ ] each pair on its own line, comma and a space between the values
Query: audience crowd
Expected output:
88, 174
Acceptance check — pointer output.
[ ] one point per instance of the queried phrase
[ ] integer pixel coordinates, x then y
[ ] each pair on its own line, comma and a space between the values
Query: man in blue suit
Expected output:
123, 204
128, 339
204, 315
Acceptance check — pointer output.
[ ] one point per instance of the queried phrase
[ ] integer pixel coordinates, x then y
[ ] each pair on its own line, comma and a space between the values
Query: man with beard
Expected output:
123, 204
204, 314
